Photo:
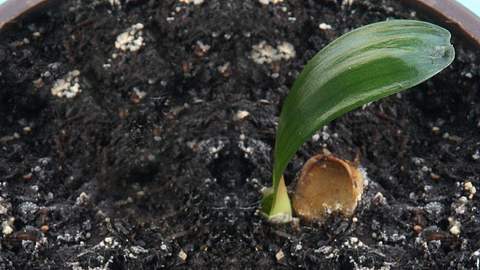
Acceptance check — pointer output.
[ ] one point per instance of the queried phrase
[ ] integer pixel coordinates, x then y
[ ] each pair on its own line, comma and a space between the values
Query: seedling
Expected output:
362, 66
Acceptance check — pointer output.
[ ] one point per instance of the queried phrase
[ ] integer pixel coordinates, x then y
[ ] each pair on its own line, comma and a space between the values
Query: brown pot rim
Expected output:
452, 15
448, 12
12, 10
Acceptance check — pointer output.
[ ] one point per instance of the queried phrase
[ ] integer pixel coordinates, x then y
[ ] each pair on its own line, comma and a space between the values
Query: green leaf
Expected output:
362, 66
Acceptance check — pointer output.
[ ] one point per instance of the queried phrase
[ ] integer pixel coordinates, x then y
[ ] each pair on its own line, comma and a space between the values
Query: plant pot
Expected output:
450, 13
138, 135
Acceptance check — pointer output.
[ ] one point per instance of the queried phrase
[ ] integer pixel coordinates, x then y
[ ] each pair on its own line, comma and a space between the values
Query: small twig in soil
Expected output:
283, 234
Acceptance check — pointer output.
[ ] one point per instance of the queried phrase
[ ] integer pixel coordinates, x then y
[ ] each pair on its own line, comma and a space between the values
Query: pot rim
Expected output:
452, 15
12, 10
448, 12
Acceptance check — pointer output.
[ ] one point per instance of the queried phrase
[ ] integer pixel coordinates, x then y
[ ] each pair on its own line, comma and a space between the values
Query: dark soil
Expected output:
114, 180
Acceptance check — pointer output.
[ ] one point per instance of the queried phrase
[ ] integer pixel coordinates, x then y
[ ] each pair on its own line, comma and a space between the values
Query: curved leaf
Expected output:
364, 65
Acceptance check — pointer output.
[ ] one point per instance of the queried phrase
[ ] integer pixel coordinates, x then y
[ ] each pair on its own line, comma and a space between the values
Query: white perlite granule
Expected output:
182, 255
195, 2
324, 26
279, 255
347, 2
115, 3
455, 226
470, 188
240, 115
7, 228
266, 2
131, 39
476, 155
68, 86
265, 53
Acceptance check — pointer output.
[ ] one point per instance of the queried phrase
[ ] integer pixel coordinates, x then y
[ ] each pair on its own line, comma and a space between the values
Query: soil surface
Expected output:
153, 151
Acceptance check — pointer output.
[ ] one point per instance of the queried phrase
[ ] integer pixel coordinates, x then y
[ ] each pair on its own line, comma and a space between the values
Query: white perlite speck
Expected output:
279, 255
204, 48
454, 226
82, 199
7, 226
68, 86
4, 206
115, 3
182, 255
131, 39
286, 50
476, 155
195, 2
107, 243
266, 2
347, 3
459, 206
324, 26
265, 53
3, 210
470, 188
240, 115
379, 199
138, 93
